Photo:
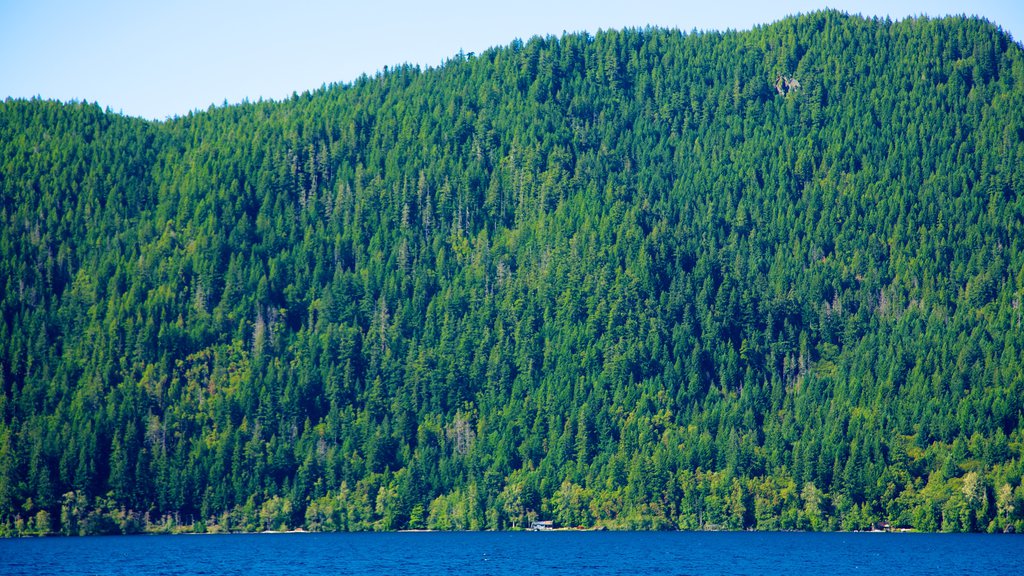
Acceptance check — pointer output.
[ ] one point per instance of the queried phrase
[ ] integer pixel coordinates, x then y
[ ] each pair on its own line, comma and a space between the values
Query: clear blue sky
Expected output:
157, 59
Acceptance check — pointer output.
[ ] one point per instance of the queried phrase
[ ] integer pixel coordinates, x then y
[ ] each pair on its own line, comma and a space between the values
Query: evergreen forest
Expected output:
642, 279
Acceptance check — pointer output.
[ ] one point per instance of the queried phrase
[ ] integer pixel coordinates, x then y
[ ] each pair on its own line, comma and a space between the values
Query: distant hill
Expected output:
645, 279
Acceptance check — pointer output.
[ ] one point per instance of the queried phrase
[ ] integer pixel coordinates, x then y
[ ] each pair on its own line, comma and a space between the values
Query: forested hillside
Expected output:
645, 279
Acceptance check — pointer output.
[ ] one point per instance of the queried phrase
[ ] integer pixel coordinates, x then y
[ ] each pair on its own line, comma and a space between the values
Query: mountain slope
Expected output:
646, 279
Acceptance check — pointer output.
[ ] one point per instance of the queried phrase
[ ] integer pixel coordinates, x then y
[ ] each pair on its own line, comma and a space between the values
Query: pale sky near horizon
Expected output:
163, 59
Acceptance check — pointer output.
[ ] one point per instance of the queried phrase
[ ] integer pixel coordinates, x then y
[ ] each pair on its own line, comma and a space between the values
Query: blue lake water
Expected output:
498, 553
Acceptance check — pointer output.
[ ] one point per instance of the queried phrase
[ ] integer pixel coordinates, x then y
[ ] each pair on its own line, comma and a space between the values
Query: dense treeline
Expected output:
645, 279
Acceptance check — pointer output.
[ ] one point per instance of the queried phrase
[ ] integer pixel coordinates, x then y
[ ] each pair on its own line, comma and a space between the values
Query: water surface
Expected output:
500, 553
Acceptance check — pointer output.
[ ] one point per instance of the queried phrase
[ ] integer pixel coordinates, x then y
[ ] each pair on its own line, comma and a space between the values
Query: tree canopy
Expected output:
644, 279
